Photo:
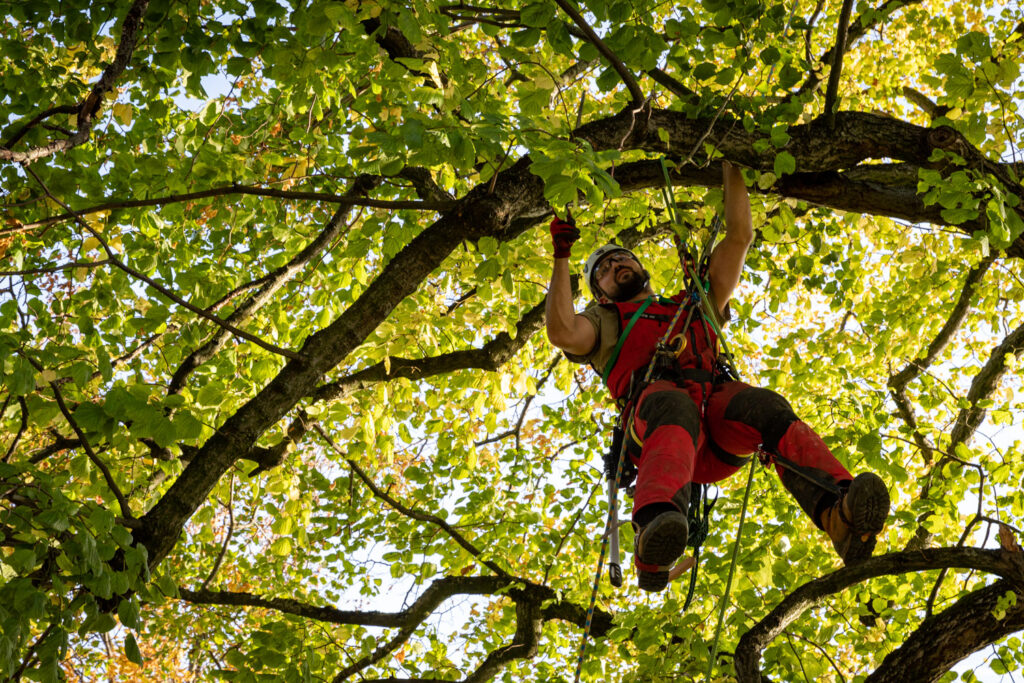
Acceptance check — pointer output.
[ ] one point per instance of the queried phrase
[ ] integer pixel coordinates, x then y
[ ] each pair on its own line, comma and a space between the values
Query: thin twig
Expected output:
409, 512
55, 269
227, 536
325, 197
112, 256
30, 655
21, 429
624, 73
126, 510
837, 64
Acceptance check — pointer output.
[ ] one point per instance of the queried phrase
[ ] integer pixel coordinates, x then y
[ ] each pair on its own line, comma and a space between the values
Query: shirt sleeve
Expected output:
591, 314
605, 320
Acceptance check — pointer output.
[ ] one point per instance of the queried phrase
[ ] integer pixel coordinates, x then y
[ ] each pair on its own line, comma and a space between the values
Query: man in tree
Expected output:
691, 423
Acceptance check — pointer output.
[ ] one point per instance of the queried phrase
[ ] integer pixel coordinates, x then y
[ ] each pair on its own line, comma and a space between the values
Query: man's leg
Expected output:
850, 509
666, 423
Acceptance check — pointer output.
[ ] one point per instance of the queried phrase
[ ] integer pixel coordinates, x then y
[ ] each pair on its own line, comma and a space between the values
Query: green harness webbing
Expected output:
622, 339
625, 333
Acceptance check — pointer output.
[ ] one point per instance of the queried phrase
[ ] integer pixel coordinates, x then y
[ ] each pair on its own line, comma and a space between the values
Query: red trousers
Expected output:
679, 429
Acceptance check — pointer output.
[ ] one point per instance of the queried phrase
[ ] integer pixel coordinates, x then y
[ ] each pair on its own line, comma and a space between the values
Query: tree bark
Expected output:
944, 639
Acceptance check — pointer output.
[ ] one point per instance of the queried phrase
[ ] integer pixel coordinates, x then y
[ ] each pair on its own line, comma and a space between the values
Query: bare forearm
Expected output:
560, 313
739, 226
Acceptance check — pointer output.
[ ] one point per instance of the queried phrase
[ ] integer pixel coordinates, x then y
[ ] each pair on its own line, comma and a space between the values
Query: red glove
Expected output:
563, 234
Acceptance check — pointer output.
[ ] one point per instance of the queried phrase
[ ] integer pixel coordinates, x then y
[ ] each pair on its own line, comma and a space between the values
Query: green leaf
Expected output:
281, 547
704, 71
128, 613
537, 14
211, 394
131, 649
784, 164
21, 380
870, 444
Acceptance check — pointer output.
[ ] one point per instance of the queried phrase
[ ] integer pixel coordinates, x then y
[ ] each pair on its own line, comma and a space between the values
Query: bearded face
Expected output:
622, 279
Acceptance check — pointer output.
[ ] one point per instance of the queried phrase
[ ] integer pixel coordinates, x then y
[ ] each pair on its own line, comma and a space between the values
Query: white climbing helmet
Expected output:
596, 258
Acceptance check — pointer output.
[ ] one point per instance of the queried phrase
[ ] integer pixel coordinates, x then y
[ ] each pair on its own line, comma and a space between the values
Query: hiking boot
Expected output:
853, 522
656, 548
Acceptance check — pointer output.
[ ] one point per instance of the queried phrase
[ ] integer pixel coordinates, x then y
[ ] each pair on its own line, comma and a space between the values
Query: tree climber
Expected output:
692, 422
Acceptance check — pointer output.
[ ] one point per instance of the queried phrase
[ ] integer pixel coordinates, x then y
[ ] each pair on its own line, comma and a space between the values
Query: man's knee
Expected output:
764, 410
670, 408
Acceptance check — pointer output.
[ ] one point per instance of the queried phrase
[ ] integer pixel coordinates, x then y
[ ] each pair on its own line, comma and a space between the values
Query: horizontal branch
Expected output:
528, 597
434, 595
236, 189
431, 598
490, 356
55, 269
748, 651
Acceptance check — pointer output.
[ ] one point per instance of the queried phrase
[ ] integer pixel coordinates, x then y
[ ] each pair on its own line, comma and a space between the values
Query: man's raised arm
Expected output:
566, 330
726, 263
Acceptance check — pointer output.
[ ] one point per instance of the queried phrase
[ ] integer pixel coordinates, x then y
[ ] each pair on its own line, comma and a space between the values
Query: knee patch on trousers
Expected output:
670, 408
765, 411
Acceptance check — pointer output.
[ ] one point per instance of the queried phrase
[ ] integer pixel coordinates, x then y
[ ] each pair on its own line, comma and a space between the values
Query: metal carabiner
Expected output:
680, 341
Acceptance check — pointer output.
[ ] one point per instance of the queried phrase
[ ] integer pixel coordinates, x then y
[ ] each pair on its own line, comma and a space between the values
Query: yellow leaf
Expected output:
123, 113
90, 243
435, 75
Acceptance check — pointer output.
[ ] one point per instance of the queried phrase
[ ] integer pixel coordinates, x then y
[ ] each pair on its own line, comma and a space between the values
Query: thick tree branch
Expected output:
942, 640
434, 595
269, 284
425, 185
672, 85
1009, 565
90, 106
528, 598
933, 110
